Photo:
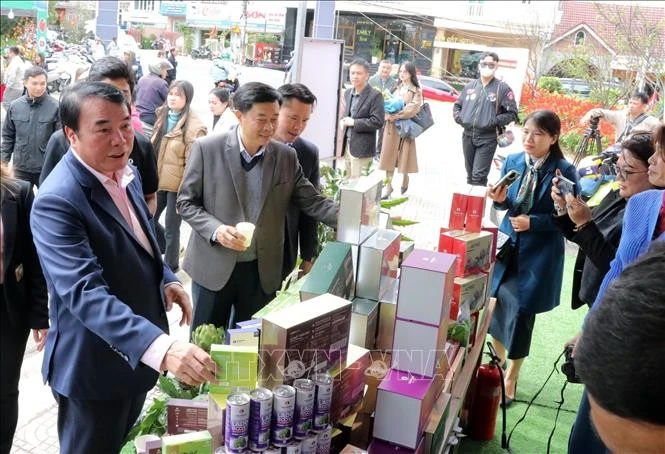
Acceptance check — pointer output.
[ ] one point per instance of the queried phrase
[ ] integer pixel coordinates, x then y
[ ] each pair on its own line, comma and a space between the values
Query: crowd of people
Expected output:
88, 267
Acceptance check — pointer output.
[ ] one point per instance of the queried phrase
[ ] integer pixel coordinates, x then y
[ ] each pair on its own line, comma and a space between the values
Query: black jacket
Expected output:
27, 129
476, 108
368, 117
25, 295
301, 228
143, 157
598, 243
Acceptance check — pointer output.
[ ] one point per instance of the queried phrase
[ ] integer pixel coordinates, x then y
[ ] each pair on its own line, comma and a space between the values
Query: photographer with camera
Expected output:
633, 119
598, 231
620, 358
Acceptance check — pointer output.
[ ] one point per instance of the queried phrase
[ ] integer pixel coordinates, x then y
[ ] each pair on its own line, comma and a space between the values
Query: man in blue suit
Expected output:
109, 286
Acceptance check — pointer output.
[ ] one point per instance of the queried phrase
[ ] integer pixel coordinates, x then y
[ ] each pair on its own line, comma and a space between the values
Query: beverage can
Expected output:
294, 447
283, 405
322, 400
309, 444
323, 440
304, 409
260, 416
236, 427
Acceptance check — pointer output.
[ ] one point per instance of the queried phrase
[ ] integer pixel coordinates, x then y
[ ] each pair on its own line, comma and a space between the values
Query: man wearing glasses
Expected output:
484, 105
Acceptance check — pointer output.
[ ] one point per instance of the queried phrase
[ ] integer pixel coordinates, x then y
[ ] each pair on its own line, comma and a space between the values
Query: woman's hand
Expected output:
520, 223
390, 117
499, 195
559, 202
578, 211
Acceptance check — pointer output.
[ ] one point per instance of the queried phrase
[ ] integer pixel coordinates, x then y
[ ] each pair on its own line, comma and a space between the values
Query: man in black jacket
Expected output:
363, 116
483, 105
30, 121
113, 71
297, 106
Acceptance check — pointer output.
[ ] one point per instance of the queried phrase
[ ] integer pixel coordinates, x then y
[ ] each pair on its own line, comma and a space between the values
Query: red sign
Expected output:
42, 25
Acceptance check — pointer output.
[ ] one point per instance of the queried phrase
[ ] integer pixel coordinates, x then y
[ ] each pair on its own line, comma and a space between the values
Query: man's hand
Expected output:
578, 211
346, 121
306, 267
520, 223
189, 363
229, 237
39, 335
498, 195
174, 293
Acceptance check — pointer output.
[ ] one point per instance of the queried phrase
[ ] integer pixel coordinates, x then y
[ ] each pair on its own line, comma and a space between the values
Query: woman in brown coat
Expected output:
397, 152
176, 129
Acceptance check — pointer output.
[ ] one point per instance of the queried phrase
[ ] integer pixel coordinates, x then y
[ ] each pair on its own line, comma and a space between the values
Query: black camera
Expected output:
593, 122
568, 367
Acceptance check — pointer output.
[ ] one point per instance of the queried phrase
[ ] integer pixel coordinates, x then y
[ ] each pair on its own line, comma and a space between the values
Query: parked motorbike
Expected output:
203, 52
57, 79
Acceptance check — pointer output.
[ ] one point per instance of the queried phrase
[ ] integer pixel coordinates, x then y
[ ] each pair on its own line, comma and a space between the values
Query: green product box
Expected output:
188, 443
332, 273
237, 367
285, 298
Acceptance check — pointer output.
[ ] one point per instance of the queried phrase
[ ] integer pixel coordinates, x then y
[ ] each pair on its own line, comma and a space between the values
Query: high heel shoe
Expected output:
510, 400
387, 191
403, 189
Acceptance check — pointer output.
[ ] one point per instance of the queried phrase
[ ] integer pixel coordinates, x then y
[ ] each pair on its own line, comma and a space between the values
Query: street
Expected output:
441, 170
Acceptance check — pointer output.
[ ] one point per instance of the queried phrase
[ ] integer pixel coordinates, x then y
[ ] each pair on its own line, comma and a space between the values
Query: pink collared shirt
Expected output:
117, 189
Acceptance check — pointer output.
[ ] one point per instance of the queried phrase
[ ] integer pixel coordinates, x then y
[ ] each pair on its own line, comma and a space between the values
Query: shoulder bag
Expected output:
504, 137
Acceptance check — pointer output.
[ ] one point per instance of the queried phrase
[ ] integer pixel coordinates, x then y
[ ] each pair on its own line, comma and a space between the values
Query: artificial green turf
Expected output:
551, 331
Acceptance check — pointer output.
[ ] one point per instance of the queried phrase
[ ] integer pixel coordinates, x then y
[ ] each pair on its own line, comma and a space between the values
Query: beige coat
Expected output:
174, 151
397, 152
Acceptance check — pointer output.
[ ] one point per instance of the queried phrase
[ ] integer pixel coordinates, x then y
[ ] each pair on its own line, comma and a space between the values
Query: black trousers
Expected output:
243, 292
96, 426
27, 176
168, 237
12, 348
478, 154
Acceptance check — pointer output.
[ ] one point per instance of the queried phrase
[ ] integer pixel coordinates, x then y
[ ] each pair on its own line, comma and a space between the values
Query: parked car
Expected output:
437, 89
576, 87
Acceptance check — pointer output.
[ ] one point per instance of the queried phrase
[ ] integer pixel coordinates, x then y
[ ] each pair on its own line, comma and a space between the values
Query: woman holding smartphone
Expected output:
529, 269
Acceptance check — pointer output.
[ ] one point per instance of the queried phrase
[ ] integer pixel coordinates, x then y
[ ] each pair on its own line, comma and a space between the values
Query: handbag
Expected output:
408, 129
424, 118
506, 252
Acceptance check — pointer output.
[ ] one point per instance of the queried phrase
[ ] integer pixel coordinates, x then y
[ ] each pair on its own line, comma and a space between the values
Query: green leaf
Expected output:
403, 222
390, 203
405, 238
168, 386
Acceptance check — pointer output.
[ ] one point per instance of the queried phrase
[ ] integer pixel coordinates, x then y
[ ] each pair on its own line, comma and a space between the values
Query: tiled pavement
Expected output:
441, 169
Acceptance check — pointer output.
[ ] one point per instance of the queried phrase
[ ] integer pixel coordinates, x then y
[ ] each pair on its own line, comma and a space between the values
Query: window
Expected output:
475, 8
144, 5
580, 37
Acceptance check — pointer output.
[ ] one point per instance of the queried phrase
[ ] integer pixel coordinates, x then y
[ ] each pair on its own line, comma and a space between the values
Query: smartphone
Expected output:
508, 179
565, 186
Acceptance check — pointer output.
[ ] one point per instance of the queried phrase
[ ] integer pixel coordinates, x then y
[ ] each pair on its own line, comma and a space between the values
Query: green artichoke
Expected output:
206, 335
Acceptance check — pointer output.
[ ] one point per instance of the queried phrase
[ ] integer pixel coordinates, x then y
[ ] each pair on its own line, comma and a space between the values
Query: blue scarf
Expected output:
172, 120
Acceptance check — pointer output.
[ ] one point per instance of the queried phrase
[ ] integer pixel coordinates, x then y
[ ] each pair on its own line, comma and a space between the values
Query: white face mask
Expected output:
486, 72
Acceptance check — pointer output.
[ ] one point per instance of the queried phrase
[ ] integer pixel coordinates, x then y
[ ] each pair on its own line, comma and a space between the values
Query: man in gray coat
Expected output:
242, 176
30, 121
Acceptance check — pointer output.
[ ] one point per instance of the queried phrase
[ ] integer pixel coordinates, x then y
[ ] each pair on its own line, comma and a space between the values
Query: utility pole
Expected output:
243, 32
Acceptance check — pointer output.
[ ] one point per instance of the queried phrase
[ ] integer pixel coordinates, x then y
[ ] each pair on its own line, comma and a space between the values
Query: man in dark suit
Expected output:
363, 117
109, 286
297, 106
242, 176
23, 304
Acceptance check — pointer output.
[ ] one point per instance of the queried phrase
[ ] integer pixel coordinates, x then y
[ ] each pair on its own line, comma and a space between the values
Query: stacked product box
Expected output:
237, 368
387, 313
332, 273
423, 308
188, 443
374, 375
469, 292
359, 211
467, 209
349, 383
185, 415
245, 334
364, 323
298, 343
474, 249
378, 261
286, 297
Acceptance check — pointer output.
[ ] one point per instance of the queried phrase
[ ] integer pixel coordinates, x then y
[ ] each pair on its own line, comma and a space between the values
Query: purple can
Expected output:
309, 445
283, 405
322, 401
260, 415
304, 411
292, 448
236, 427
323, 440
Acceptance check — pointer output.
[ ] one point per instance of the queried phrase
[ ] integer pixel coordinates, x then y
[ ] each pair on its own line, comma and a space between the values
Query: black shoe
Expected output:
509, 400
403, 189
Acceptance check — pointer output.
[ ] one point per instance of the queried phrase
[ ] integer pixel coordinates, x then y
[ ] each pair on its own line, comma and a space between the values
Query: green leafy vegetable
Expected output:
206, 335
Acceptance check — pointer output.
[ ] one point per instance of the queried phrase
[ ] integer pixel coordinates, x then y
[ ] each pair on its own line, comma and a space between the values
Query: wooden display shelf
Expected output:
460, 385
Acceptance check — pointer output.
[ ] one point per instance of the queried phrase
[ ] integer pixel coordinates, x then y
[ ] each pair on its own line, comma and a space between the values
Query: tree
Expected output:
640, 42
534, 35
53, 17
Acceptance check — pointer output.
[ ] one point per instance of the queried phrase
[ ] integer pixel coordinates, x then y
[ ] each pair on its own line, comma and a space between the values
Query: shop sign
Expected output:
261, 16
173, 8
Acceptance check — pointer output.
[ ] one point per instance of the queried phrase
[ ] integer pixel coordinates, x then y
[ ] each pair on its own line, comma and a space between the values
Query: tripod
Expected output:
591, 138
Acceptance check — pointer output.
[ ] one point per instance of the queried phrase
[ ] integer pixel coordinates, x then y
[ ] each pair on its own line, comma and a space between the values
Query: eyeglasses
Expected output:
624, 174
487, 65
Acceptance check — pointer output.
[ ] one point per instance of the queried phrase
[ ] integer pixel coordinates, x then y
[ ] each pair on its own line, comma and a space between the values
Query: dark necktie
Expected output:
250, 165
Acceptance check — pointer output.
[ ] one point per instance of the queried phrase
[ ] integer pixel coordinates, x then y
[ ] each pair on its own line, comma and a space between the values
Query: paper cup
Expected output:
247, 229
140, 441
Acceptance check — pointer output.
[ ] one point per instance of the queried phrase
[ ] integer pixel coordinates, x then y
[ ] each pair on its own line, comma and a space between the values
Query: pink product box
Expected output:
404, 403
184, 415
473, 250
426, 286
383, 447
419, 348
494, 230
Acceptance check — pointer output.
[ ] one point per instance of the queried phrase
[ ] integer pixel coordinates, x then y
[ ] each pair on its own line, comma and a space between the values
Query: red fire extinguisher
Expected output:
487, 398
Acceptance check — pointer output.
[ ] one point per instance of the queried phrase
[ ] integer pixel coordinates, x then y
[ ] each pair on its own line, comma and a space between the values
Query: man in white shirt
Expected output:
108, 339
13, 77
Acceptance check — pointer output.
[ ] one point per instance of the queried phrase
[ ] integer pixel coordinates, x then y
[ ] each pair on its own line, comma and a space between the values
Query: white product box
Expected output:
378, 261
359, 209
420, 348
